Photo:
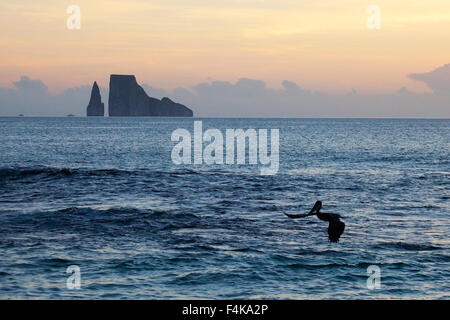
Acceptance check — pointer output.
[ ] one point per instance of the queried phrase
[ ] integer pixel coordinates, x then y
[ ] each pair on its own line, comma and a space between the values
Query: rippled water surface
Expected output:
103, 194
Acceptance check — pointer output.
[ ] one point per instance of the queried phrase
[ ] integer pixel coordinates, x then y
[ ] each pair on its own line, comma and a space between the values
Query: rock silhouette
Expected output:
95, 106
127, 98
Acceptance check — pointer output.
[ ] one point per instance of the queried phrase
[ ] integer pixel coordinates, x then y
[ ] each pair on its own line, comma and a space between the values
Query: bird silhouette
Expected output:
335, 225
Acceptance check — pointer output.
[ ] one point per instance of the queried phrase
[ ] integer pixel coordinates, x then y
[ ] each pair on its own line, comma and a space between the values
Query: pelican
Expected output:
335, 225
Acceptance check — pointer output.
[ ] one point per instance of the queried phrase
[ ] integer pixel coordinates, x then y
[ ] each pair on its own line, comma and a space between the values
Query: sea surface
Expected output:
104, 195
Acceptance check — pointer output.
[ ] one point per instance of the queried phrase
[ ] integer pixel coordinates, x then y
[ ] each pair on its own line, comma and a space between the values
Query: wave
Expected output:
406, 246
95, 223
16, 173
169, 218
22, 172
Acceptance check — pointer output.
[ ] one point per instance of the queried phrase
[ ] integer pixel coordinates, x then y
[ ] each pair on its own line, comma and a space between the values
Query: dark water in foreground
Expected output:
103, 194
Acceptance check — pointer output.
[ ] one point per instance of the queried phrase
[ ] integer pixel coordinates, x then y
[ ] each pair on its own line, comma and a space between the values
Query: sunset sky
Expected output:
320, 45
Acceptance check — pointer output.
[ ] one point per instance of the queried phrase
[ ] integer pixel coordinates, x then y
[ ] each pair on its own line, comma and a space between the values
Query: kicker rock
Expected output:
128, 99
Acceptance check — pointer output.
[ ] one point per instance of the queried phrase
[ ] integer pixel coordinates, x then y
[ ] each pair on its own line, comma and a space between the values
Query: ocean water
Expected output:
103, 194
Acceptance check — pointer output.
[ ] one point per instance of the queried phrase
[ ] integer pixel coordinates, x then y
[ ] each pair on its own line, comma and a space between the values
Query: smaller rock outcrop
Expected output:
95, 108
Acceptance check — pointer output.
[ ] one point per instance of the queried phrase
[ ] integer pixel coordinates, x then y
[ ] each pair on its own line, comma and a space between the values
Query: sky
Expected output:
322, 47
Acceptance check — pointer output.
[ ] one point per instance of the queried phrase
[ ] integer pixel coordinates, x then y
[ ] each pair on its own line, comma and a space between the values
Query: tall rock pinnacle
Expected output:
95, 107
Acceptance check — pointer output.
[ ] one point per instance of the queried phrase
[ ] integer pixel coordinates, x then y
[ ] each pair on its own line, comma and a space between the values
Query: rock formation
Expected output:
127, 98
95, 107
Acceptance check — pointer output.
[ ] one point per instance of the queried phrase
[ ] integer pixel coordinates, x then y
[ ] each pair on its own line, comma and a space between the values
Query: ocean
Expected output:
103, 194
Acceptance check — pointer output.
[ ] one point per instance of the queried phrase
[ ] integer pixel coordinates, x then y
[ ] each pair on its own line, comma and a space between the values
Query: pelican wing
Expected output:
296, 216
333, 215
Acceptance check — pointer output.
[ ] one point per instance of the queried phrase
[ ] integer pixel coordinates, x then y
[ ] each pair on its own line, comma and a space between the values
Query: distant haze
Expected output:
247, 98
308, 58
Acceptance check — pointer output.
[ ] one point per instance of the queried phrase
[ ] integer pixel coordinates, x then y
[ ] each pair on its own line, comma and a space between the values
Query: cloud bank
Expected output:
437, 80
32, 98
247, 98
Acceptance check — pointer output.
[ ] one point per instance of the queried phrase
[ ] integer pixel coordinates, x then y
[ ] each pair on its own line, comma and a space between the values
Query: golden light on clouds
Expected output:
172, 43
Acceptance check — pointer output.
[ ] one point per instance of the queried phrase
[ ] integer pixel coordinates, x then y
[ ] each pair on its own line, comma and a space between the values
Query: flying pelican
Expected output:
335, 225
